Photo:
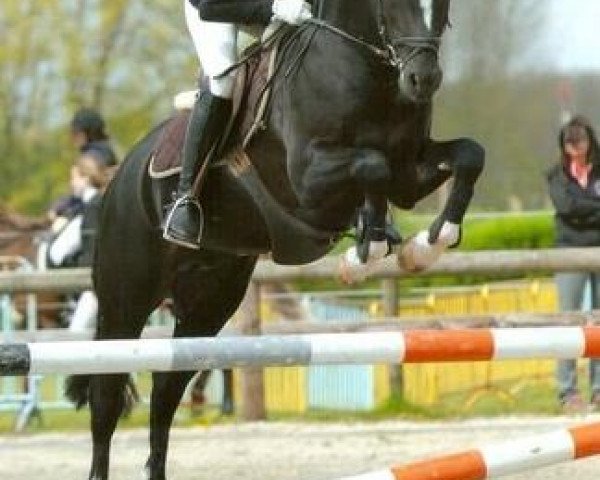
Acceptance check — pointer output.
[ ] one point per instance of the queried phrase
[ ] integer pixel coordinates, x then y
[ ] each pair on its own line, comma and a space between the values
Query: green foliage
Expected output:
509, 232
495, 232
529, 230
125, 58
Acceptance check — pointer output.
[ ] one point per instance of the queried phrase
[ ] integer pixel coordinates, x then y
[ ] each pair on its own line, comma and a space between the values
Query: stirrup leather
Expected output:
182, 202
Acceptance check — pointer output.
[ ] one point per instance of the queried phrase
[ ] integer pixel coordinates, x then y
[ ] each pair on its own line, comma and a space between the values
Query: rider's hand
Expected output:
291, 11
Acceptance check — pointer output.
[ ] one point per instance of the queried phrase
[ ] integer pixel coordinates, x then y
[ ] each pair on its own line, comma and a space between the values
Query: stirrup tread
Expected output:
178, 241
169, 235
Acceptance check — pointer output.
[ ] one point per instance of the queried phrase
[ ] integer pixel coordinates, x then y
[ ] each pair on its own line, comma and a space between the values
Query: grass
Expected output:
537, 398
531, 398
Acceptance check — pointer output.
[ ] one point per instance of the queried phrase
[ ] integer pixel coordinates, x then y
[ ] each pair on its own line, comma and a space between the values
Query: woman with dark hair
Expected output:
88, 133
574, 187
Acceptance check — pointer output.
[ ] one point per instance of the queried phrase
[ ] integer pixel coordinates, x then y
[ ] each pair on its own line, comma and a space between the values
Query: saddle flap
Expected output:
166, 155
250, 99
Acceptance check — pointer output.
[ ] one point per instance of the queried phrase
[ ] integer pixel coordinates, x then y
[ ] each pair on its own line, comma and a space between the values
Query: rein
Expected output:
388, 51
378, 52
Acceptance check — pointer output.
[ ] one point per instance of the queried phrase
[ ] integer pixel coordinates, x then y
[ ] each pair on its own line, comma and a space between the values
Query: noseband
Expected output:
389, 49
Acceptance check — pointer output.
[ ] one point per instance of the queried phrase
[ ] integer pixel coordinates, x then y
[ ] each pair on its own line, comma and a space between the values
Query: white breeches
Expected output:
216, 46
86, 311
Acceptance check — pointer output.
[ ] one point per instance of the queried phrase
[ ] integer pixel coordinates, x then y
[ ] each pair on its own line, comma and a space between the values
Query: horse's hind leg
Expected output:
205, 295
109, 393
128, 285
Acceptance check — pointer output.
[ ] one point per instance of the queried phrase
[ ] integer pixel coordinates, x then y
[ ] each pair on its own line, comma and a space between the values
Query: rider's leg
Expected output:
216, 45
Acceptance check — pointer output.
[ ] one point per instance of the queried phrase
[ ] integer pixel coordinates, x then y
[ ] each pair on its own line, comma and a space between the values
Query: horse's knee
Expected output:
371, 171
469, 164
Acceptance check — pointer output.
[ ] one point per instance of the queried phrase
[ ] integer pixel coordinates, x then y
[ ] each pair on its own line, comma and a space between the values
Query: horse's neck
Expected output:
356, 17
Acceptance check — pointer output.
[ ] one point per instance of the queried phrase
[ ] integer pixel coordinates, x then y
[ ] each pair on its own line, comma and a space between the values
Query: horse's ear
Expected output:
441, 16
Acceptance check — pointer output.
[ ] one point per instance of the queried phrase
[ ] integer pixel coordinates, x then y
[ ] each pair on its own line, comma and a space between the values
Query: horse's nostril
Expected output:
414, 79
423, 81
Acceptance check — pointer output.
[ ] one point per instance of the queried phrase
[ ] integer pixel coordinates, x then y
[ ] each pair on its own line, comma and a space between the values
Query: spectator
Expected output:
88, 135
574, 187
75, 243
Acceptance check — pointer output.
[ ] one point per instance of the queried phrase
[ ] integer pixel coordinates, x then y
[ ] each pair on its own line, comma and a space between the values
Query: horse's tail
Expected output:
77, 391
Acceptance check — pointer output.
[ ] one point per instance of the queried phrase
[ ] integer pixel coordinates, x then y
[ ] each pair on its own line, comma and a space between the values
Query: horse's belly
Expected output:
233, 222
243, 216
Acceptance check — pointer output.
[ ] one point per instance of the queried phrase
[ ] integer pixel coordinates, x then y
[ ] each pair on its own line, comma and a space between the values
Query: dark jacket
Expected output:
89, 229
577, 215
90, 218
68, 206
243, 12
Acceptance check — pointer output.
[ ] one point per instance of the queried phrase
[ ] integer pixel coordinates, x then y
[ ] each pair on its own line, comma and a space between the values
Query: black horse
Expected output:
349, 131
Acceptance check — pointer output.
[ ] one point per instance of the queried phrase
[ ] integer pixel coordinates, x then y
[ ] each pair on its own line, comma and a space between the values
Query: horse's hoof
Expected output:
345, 272
407, 264
417, 254
350, 273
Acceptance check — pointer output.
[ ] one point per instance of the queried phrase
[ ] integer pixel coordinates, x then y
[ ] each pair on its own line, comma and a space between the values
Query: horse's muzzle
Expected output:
420, 78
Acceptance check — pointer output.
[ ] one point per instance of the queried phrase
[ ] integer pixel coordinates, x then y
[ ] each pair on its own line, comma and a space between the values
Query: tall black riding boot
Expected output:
208, 120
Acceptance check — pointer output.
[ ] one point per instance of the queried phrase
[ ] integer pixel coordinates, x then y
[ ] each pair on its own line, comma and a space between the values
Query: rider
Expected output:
213, 25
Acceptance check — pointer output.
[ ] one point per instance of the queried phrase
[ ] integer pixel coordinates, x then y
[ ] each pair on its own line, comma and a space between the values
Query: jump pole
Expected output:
499, 460
416, 346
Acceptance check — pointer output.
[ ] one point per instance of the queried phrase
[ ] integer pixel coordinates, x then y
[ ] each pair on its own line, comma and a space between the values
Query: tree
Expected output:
493, 38
493, 93
126, 58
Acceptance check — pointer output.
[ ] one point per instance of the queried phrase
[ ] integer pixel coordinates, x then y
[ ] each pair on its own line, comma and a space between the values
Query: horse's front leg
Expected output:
462, 160
332, 185
375, 236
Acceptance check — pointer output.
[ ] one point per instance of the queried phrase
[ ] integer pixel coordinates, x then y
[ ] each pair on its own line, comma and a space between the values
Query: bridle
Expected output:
389, 48
388, 51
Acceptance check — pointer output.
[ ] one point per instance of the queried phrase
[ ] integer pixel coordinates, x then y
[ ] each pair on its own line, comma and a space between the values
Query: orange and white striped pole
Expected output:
499, 460
182, 354
500, 343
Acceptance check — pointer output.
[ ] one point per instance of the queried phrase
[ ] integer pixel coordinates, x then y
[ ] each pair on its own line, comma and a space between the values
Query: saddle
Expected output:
250, 101
270, 228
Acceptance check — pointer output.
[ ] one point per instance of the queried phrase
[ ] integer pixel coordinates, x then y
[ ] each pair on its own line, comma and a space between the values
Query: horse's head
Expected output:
405, 33
412, 30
